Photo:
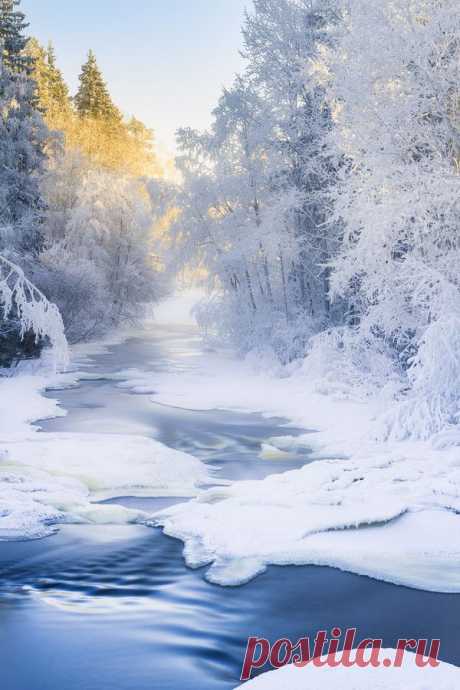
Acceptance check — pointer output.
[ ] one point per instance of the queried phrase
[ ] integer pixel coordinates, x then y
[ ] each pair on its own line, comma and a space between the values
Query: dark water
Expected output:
94, 608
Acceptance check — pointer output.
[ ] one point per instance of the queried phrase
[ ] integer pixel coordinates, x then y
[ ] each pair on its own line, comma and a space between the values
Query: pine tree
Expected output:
52, 91
23, 137
93, 98
58, 89
12, 26
37, 55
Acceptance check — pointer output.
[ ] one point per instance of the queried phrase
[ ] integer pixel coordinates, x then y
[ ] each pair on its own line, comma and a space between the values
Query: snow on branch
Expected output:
19, 297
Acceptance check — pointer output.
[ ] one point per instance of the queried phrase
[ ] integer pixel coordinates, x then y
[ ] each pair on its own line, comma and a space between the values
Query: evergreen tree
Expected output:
37, 55
52, 91
58, 89
93, 98
23, 137
12, 26
97, 129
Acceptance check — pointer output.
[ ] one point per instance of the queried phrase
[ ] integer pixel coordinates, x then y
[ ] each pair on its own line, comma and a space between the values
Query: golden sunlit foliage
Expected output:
125, 147
105, 137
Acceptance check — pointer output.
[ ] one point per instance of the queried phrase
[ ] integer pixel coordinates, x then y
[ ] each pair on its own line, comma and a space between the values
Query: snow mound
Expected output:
408, 677
388, 517
22, 402
53, 478
32, 502
110, 465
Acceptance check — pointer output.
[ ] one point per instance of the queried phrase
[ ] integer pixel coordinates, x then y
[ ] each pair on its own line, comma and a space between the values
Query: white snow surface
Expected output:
51, 478
386, 509
407, 677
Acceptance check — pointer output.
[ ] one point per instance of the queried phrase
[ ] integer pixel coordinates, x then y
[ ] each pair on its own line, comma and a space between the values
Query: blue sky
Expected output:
164, 60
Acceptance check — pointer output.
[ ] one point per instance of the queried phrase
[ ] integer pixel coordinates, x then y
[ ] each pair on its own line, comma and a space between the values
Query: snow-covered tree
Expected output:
74, 211
396, 85
23, 138
98, 265
282, 42
254, 204
12, 38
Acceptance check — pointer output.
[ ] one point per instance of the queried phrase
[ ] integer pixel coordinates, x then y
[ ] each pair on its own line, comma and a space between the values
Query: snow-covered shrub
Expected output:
343, 363
25, 310
432, 402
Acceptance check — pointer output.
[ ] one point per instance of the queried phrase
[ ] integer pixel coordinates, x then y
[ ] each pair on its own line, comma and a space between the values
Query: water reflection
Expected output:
126, 593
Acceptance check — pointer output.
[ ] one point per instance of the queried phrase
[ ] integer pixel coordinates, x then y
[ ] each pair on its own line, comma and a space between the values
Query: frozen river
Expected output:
115, 607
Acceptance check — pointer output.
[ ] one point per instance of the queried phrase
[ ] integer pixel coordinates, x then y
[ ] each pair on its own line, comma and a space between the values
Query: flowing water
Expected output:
107, 607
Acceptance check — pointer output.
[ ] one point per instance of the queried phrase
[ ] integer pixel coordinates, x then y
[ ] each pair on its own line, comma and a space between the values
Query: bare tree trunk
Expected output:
303, 287
250, 290
259, 282
234, 281
283, 280
326, 278
267, 275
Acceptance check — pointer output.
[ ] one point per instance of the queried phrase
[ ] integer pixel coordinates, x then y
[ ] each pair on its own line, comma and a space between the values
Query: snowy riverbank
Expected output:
52, 478
404, 496
384, 509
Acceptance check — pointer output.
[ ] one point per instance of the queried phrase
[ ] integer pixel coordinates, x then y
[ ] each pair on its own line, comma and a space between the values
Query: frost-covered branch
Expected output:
20, 299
